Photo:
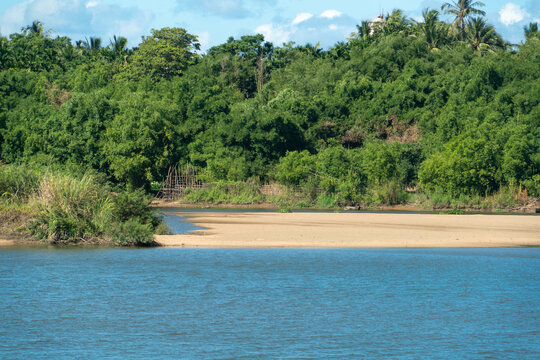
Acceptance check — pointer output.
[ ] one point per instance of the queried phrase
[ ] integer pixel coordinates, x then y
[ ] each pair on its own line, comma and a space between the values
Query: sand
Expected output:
4, 242
355, 230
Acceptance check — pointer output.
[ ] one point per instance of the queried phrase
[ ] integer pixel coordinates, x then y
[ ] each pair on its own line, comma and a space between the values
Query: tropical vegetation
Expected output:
429, 111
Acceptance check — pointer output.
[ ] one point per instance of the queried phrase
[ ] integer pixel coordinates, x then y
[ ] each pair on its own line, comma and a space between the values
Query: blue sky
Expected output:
214, 21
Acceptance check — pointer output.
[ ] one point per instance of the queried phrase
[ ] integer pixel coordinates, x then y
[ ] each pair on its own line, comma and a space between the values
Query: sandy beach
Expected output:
355, 230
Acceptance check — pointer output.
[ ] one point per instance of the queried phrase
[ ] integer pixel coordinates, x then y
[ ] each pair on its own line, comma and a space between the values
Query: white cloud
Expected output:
92, 4
328, 28
301, 18
79, 19
275, 33
511, 13
330, 14
228, 9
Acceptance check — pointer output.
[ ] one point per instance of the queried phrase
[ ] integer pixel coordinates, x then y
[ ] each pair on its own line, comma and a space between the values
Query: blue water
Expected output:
266, 304
177, 224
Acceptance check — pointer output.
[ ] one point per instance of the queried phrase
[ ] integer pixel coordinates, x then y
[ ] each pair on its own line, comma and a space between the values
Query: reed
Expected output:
65, 209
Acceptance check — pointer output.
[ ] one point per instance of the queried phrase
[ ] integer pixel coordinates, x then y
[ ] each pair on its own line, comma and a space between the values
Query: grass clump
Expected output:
74, 210
64, 209
238, 193
17, 183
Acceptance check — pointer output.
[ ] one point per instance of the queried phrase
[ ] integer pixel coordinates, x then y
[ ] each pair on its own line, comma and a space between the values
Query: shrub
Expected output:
133, 233
390, 193
71, 210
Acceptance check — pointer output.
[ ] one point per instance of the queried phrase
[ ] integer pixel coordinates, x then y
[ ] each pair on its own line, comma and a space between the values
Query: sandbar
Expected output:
4, 242
354, 230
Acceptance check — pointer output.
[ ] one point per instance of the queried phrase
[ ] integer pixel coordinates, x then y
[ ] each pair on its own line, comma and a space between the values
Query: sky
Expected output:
214, 21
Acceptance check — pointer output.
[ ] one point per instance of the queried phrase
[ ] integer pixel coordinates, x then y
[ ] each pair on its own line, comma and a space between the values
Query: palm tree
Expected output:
433, 30
482, 36
315, 51
118, 44
531, 31
35, 28
396, 22
363, 30
362, 36
462, 9
93, 45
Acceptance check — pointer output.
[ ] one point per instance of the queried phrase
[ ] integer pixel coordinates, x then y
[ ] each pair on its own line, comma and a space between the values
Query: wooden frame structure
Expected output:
178, 180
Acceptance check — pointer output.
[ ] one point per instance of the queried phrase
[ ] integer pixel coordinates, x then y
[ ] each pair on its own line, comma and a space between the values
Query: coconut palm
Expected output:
118, 44
531, 31
396, 22
362, 36
363, 30
433, 30
482, 36
35, 28
93, 45
462, 9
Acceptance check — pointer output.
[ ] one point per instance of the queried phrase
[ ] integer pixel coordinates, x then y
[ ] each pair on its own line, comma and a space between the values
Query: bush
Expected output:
133, 233
134, 204
533, 185
390, 193
83, 210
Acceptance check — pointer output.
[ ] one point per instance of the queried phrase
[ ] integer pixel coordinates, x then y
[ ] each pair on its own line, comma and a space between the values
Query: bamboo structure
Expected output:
178, 180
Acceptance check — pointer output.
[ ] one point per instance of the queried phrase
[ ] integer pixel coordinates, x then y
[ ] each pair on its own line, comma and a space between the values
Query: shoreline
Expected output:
159, 203
354, 230
245, 229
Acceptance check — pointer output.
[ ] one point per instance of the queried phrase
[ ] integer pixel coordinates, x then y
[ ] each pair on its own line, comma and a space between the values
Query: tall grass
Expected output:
65, 209
238, 193
18, 183
509, 197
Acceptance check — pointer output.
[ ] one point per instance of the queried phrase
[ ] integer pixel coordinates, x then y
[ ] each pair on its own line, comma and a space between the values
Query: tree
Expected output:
93, 45
433, 30
396, 22
462, 9
363, 30
163, 55
531, 31
244, 60
4, 53
361, 38
118, 44
483, 37
36, 28
34, 49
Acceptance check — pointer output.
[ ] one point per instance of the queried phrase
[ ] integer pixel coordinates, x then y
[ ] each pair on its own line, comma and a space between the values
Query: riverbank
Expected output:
355, 230
530, 208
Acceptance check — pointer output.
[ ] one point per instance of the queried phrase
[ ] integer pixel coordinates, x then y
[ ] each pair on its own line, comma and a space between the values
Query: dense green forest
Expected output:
446, 110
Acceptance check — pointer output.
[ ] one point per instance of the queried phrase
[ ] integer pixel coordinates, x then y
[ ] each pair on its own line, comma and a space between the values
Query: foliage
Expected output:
17, 183
163, 55
63, 209
461, 10
405, 105
226, 193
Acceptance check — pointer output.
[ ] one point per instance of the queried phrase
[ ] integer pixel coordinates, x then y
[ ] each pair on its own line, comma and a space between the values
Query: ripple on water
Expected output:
224, 304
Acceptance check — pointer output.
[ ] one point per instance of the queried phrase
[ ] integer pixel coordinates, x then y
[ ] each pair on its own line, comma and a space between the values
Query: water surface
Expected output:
270, 303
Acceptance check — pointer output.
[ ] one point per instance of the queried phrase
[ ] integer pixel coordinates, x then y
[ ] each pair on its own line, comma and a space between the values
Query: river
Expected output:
269, 303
